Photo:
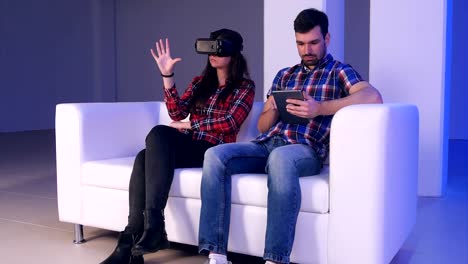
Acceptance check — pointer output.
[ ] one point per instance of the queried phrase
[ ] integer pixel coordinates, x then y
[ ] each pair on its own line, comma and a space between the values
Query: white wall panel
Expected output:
407, 64
279, 41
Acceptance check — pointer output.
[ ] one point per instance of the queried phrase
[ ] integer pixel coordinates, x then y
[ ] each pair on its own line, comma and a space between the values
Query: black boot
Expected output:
136, 260
154, 237
122, 252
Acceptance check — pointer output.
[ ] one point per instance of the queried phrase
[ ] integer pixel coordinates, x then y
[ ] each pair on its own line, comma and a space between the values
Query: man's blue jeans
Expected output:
284, 163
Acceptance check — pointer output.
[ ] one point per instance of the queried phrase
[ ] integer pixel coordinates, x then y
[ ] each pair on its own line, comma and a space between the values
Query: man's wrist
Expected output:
320, 110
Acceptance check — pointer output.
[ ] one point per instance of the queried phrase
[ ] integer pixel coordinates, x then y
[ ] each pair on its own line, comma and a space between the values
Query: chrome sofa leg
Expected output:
79, 234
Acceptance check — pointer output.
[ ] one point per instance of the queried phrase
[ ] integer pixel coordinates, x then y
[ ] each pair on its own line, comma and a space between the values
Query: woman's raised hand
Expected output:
163, 58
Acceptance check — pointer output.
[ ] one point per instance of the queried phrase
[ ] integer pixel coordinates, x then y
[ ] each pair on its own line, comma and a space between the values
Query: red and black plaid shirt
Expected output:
218, 121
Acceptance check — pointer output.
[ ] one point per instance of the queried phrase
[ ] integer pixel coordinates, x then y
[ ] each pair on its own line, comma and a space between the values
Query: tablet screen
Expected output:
280, 100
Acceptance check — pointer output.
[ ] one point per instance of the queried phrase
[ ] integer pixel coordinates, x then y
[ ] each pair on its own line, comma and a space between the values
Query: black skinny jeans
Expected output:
153, 170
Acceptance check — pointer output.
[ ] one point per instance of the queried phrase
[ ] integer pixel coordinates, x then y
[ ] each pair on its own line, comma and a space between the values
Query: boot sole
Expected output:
142, 251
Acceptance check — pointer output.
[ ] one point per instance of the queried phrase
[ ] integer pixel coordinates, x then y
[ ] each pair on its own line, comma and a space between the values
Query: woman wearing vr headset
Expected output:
218, 102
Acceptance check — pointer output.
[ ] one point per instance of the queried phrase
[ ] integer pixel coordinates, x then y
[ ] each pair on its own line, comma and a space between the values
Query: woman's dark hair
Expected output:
307, 19
237, 71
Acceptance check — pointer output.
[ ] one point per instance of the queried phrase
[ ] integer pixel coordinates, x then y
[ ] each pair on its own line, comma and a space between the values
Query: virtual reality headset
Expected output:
218, 47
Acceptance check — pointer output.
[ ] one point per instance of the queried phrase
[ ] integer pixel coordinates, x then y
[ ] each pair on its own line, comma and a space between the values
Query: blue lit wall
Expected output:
459, 84
50, 53
55, 51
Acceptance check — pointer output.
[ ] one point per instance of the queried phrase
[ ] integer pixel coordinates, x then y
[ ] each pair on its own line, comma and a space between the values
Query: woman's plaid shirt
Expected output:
330, 80
219, 121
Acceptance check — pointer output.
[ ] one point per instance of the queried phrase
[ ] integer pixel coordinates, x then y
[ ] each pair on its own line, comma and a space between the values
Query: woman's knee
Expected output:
139, 164
141, 155
158, 133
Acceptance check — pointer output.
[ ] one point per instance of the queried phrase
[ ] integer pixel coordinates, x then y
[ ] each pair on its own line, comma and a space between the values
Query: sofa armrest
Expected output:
95, 131
373, 181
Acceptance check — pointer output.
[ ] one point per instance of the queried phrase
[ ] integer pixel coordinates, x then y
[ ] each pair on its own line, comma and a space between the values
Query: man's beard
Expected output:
310, 60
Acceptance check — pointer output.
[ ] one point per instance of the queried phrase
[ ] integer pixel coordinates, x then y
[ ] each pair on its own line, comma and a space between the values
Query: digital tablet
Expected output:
280, 100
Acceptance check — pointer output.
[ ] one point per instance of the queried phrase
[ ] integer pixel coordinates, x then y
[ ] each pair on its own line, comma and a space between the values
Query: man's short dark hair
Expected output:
307, 19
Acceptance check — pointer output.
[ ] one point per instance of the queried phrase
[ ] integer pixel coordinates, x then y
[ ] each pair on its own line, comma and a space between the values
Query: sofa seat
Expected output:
247, 189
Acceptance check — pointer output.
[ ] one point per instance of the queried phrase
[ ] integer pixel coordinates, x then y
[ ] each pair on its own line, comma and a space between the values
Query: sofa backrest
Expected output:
163, 115
248, 130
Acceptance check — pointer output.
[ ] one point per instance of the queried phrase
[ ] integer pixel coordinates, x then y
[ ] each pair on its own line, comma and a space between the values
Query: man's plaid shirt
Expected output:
218, 121
330, 80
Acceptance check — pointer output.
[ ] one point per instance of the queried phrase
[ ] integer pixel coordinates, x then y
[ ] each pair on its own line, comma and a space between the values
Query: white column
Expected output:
279, 41
407, 64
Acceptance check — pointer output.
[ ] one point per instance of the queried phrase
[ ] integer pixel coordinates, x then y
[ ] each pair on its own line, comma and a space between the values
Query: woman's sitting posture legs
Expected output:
134, 228
159, 172
166, 149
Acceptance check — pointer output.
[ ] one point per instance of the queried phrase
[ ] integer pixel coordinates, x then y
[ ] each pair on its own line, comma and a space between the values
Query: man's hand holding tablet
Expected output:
280, 97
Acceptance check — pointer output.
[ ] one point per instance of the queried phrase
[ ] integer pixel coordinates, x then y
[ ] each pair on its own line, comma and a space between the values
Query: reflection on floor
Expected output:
31, 233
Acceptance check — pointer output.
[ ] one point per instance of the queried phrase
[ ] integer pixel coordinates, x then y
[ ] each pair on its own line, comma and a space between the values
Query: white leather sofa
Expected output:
360, 209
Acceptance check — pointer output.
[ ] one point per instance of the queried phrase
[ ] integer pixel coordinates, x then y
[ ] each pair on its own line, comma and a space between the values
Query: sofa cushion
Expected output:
249, 189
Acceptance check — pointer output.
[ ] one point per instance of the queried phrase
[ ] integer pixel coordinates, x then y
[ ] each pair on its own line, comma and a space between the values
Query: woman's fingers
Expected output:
163, 49
154, 54
162, 56
158, 49
168, 50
